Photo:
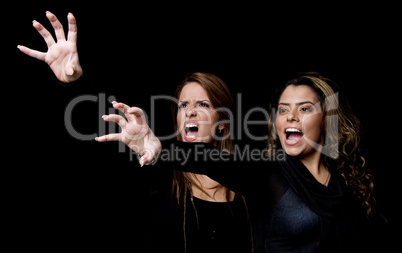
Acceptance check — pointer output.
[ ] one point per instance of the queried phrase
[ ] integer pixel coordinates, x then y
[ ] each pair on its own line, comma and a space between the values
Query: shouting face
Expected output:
197, 120
299, 121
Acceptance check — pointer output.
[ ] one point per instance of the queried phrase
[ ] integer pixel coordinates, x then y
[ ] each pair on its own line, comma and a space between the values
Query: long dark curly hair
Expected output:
342, 135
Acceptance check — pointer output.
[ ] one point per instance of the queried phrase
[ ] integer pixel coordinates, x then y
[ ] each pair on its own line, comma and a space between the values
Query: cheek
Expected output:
279, 126
214, 117
180, 118
312, 127
209, 119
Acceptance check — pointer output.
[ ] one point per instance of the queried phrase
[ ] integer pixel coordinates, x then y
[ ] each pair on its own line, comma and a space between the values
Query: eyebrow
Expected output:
297, 104
198, 101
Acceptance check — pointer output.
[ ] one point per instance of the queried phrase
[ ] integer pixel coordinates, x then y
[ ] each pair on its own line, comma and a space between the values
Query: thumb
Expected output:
147, 158
69, 70
143, 160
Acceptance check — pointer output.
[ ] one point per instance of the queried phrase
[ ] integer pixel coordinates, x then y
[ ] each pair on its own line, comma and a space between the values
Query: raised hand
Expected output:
61, 56
135, 132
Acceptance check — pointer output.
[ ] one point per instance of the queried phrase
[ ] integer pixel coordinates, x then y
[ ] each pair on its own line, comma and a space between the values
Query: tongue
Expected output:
294, 137
191, 135
192, 132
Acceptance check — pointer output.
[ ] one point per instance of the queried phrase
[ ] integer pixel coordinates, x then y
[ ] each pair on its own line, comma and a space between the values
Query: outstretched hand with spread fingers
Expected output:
135, 132
61, 56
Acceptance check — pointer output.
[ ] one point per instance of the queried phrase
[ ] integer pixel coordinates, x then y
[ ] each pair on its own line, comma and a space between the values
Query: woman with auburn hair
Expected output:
212, 218
191, 212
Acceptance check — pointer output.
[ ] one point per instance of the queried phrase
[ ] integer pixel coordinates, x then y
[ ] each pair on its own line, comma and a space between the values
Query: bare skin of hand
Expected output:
62, 55
135, 132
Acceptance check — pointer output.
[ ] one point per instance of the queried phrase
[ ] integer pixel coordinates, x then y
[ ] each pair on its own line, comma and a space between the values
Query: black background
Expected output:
65, 191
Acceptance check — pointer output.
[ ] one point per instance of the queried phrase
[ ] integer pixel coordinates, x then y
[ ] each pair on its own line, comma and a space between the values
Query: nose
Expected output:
191, 112
292, 116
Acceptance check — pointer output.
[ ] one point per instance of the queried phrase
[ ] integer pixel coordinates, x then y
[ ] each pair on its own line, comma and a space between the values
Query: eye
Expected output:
306, 109
204, 105
282, 110
182, 105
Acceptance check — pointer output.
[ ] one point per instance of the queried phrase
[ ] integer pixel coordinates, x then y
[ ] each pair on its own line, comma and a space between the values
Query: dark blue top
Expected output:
293, 226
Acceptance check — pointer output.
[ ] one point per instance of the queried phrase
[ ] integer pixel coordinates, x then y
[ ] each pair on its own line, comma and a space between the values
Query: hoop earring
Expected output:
219, 132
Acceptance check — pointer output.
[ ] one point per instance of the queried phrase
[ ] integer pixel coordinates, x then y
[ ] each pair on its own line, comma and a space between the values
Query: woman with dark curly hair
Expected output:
322, 190
340, 134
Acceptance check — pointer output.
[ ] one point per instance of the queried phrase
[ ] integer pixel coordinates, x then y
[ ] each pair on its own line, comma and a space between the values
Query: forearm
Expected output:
239, 175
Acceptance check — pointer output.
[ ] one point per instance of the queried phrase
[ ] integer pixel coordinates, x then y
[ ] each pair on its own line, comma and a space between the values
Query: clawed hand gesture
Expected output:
61, 56
135, 132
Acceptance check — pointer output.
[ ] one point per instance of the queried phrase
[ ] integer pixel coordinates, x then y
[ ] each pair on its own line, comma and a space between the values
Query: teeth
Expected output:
191, 127
293, 130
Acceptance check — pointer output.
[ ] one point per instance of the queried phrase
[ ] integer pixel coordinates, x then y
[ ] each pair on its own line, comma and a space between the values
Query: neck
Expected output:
211, 190
316, 167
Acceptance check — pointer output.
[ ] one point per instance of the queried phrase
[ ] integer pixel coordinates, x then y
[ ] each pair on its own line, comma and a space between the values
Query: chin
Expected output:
292, 152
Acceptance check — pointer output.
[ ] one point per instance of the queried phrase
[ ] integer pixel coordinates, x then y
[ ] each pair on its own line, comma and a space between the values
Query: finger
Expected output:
108, 137
115, 118
69, 70
123, 108
145, 159
138, 113
120, 106
33, 53
72, 28
44, 33
70, 67
58, 28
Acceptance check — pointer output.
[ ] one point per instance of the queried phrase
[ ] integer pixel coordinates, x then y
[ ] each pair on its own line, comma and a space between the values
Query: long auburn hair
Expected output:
220, 97
342, 135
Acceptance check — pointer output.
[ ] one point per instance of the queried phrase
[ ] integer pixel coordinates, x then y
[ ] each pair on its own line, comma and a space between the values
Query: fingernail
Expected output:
142, 163
104, 116
18, 46
96, 138
114, 102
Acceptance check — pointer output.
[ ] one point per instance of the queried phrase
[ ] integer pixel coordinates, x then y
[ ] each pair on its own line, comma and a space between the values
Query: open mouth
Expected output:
191, 129
293, 135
